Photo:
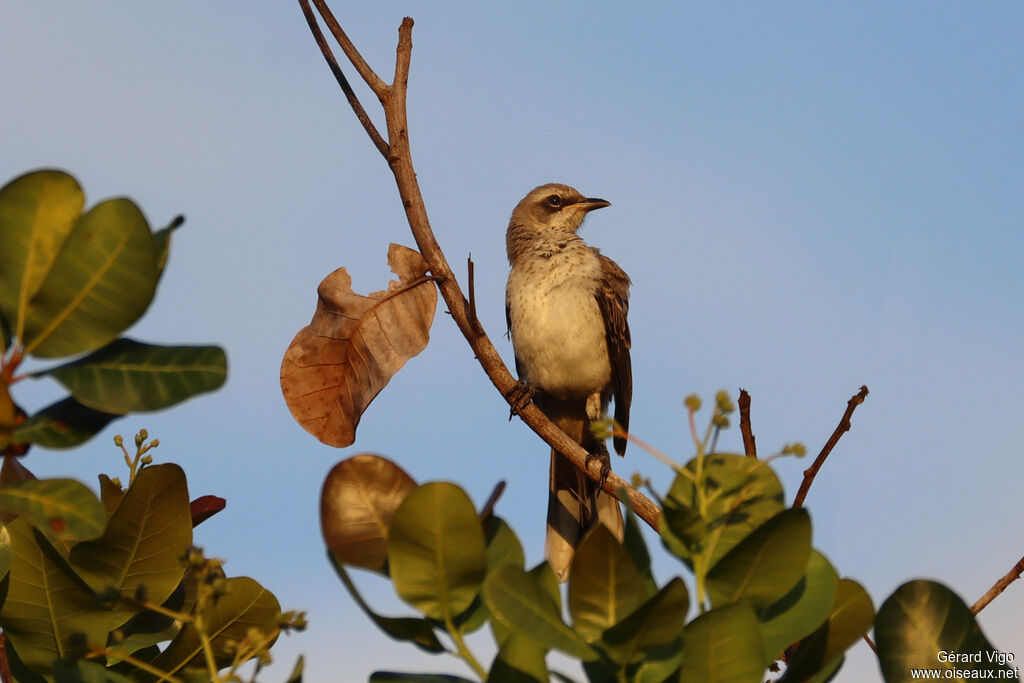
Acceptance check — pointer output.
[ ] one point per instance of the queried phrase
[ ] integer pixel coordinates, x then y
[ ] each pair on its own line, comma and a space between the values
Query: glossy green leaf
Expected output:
436, 550
102, 281
849, 619
503, 546
111, 494
658, 621
145, 539
358, 499
523, 605
802, 610
660, 664
129, 376
37, 213
64, 509
415, 630
46, 602
605, 585
743, 493
520, 660
922, 620
765, 565
723, 646
64, 424
246, 605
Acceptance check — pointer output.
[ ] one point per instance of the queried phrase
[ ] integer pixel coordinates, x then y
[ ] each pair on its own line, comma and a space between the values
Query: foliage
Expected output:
106, 588
70, 284
763, 598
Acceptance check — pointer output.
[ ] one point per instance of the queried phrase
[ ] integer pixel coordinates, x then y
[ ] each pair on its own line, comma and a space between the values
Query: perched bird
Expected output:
566, 306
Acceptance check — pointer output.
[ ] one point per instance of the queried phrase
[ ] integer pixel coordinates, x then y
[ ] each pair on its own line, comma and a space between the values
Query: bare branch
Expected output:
844, 426
999, 587
378, 86
357, 107
399, 158
749, 445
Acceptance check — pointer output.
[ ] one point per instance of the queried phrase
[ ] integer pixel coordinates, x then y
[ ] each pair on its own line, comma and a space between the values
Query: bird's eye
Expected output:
554, 200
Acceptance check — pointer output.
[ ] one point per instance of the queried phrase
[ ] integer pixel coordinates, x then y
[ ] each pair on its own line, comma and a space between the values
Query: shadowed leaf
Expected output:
111, 494
5, 551
46, 602
657, 622
923, 618
144, 540
358, 499
398, 677
37, 212
246, 605
102, 280
605, 585
64, 509
129, 376
336, 365
63, 424
802, 610
723, 646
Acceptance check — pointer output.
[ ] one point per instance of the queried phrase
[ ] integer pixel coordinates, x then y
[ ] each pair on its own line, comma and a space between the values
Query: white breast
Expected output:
556, 325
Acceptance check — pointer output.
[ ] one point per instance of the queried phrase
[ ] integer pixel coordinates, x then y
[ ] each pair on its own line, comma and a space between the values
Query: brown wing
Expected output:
613, 298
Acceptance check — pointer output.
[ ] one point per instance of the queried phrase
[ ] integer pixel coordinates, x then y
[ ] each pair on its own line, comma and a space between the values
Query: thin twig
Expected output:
487, 511
377, 85
999, 587
399, 158
357, 107
749, 445
842, 428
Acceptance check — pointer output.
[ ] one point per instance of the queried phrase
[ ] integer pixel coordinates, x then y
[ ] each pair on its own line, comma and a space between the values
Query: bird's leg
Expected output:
594, 412
519, 396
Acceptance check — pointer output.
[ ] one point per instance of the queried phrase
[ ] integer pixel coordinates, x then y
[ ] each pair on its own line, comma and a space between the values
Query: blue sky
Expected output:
808, 197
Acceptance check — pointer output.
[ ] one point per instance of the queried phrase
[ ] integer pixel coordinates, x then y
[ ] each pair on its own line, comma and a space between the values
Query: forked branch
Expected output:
396, 152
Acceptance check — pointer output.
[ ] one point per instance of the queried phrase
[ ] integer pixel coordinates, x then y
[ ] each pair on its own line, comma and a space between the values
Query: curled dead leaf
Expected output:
359, 497
338, 363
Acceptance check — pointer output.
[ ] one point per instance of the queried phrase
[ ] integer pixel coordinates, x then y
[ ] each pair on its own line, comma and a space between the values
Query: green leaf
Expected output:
657, 622
101, 281
110, 494
924, 620
37, 213
145, 539
661, 663
520, 660
246, 605
64, 509
524, 606
849, 619
436, 550
417, 631
802, 610
296, 675
743, 493
162, 241
64, 424
605, 585
46, 602
358, 499
633, 541
503, 546
129, 376
723, 646
6, 334
765, 565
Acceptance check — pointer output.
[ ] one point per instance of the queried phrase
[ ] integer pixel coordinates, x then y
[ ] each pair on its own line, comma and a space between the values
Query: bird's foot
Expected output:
519, 396
601, 455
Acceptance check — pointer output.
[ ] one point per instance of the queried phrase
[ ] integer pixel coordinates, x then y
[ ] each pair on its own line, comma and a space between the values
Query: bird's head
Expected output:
554, 207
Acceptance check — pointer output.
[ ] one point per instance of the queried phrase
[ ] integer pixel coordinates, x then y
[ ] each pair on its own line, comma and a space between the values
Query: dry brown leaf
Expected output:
359, 497
338, 363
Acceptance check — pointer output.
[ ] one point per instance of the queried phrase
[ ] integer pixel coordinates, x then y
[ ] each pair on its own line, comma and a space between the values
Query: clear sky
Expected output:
808, 197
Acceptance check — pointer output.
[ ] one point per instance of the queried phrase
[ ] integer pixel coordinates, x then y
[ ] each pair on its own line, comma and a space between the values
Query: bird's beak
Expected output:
591, 203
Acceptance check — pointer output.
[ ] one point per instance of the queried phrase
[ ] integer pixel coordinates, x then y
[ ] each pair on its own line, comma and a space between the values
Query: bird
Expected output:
566, 308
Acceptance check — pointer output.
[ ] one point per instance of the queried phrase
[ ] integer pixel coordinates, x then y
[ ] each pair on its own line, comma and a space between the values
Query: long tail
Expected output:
574, 501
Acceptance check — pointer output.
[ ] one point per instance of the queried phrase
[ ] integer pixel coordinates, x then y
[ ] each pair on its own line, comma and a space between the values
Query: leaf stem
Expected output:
460, 646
